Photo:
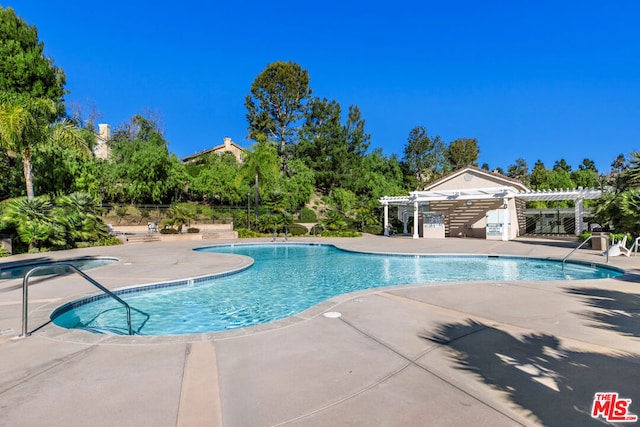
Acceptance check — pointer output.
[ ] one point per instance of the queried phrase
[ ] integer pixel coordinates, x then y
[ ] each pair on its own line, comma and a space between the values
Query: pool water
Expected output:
17, 271
286, 279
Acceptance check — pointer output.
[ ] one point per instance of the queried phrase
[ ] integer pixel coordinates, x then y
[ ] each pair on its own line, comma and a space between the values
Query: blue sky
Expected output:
533, 79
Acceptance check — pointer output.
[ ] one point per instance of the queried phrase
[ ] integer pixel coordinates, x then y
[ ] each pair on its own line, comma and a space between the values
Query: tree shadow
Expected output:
557, 385
617, 311
569, 244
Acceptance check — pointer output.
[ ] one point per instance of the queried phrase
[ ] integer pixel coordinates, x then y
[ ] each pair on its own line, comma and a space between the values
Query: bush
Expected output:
297, 230
341, 234
244, 233
4, 252
168, 231
308, 215
317, 229
373, 229
193, 230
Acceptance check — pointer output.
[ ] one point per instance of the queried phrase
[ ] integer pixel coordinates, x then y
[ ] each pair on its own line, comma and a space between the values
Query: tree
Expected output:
25, 129
79, 218
262, 164
10, 183
562, 164
588, 164
214, 180
539, 177
424, 157
586, 176
297, 184
322, 145
519, 171
277, 102
24, 68
141, 169
463, 152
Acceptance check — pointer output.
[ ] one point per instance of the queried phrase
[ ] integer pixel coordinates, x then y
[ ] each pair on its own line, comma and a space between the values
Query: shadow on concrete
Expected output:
617, 311
555, 384
569, 244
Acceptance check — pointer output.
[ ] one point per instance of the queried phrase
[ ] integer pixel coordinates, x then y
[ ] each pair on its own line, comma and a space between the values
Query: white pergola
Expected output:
416, 198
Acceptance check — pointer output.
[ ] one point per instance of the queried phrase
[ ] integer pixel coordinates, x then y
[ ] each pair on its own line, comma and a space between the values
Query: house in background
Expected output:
101, 149
227, 146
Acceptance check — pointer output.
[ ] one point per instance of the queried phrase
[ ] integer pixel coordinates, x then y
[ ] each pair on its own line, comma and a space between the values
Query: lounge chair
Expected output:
111, 230
619, 248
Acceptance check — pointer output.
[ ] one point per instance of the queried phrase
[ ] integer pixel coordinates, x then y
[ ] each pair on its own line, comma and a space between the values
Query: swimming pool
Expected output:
286, 279
10, 271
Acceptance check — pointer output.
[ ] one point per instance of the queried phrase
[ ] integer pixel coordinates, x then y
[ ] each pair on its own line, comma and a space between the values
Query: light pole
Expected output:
249, 211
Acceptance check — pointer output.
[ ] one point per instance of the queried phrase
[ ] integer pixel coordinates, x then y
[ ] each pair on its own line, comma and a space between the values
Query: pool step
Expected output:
141, 238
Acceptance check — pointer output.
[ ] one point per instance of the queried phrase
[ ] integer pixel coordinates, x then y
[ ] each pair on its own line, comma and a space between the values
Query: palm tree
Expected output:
31, 219
263, 164
25, 128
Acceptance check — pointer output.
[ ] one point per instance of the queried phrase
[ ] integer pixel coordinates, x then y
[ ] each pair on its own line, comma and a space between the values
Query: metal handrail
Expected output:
606, 249
73, 268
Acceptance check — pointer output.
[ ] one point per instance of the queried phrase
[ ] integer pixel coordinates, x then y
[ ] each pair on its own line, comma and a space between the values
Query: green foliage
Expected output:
297, 230
342, 200
141, 169
245, 233
262, 168
25, 129
341, 234
11, 184
4, 252
373, 229
277, 102
44, 223
214, 180
425, 158
463, 152
335, 221
296, 184
519, 171
268, 223
166, 230
24, 68
308, 215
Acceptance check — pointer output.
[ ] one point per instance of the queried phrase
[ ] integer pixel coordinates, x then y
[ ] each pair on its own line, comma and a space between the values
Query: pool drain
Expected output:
332, 314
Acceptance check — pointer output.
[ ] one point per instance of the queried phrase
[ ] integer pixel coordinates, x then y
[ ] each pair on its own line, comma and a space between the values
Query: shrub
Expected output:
168, 231
4, 252
193, 230
244, 233
317, 229
297, 230
308, 215
372, 229
341, 234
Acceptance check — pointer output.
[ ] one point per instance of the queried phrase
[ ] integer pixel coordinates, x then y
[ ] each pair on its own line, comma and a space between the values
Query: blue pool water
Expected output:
17, 271
286, 279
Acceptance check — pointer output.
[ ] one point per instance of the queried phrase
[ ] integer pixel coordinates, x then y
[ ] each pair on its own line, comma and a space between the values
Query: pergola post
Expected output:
415, 220
386, 218
579, 212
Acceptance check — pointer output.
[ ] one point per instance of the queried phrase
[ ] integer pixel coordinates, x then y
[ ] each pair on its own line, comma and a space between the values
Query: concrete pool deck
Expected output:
483, 353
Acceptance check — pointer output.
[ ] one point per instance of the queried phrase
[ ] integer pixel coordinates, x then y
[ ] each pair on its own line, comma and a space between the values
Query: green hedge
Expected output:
297, 230
308, 215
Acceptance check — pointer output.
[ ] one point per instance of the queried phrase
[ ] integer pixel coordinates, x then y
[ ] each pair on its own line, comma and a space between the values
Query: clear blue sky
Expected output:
532, 79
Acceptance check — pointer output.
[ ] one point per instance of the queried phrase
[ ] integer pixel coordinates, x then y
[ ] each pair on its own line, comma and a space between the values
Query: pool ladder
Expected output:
606, 248
25, 293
